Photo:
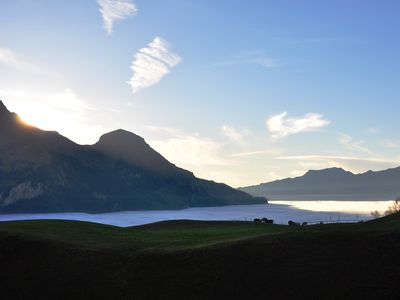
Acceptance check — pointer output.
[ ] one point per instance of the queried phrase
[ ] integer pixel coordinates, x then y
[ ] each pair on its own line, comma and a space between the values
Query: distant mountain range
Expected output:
332, 184
42, 171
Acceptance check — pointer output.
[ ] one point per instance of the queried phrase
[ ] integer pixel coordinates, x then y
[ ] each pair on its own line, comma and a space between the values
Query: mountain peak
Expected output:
120, 135
330, 172
332, 184
9, 122
3, 109
120, 172
133, 149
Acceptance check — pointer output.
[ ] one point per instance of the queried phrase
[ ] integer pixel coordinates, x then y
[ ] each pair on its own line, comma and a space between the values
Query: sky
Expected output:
240, 92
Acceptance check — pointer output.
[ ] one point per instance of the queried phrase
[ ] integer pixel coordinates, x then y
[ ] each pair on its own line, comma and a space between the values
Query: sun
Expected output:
42, 117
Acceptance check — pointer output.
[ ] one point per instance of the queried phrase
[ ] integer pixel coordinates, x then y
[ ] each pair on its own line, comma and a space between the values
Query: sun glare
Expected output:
41, 117
339, 206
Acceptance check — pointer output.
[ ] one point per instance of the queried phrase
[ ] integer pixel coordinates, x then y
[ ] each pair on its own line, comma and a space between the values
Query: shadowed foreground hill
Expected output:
42, 171
333, 184
200, 260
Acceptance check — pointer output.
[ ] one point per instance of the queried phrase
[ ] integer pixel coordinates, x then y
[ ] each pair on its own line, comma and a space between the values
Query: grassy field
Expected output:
199, 260
162, 236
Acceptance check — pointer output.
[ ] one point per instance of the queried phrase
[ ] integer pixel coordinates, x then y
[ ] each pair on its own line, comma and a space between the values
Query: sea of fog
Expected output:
280, 211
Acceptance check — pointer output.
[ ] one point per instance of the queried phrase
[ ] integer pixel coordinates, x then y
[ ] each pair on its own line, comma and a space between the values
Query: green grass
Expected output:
49, 259
174, 235
163, 236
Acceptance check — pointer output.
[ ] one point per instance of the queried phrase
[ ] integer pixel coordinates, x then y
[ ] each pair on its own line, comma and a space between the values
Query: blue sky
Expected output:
241, 92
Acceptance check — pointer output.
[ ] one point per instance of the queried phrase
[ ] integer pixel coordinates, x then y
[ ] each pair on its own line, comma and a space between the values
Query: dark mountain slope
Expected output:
131, 148
42, 171
333, 184
14, 131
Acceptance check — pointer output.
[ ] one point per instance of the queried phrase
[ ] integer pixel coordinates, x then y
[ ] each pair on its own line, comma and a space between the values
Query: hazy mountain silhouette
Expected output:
333, 184
42, 171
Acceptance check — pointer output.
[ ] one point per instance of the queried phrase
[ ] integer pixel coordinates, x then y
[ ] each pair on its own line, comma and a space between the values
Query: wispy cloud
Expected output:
352, 144
9, 58
337, 157
260, 58
257, 57
14, 94
236, 135
391, 144
192, 151
254, 153
302, 41
12, 59
185, 148
151, 64
374, 130
68, 100
115, 10
280, 125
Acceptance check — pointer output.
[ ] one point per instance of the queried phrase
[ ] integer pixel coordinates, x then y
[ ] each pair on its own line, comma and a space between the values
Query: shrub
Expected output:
375, 214
394, 208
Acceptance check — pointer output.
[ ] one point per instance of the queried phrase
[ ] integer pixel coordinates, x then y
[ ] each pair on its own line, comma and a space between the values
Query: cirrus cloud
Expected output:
151, 64
115, 10
255, 57
234, 134
280, 125
348, 141
11, 59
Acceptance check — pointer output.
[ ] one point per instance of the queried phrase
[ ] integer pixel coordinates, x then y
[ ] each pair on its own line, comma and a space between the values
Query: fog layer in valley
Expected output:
281, 212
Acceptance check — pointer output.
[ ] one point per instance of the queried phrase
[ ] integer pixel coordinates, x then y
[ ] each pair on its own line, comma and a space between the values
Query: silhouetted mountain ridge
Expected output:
42, 171
133, 149
332, 184
330, 172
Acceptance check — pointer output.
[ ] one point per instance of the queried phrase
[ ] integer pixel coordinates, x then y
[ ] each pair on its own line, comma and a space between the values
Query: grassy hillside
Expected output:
200, 260
163, 236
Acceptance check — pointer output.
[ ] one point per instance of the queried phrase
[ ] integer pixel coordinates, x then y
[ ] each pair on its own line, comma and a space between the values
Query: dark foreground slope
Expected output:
200, 260
333, 184
42, 171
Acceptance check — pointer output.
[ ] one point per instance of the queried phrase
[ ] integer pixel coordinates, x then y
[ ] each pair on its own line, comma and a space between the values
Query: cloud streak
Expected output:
280, 125
12, 59
256, 57
254, 153
115, 11
234, 134
391, 144
184, 148
352, 144
337, 157
151, 64
192, 151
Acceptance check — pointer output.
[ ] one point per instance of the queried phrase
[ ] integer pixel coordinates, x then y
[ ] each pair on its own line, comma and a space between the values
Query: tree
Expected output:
394, 208
376, 214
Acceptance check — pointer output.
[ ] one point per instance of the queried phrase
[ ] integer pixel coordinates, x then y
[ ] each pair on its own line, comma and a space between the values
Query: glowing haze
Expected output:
242, 98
